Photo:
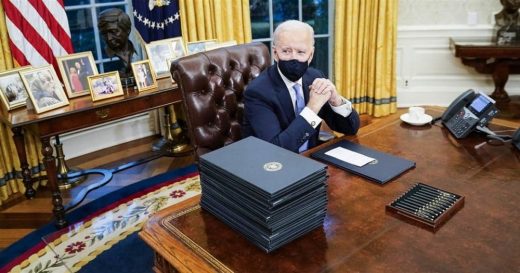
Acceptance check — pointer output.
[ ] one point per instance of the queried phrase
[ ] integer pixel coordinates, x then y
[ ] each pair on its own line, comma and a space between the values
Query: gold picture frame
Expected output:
161, 50
75, 70
179, 47
144, 75
198, 46
13, 92
221, 44
44, 88
179, 50
104, 86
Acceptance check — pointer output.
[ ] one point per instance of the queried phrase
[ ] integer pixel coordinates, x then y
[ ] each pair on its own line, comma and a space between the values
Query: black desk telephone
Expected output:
516, 139
467, 111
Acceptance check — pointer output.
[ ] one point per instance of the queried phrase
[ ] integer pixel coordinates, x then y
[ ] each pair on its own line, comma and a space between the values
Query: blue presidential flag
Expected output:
157, 19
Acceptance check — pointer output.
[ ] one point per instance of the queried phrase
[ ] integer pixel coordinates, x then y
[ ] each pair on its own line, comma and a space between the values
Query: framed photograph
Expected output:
199, 46
13, 93
144, 75
220, 45
158, 52
74, 69
104, 86
44, 88
179, 49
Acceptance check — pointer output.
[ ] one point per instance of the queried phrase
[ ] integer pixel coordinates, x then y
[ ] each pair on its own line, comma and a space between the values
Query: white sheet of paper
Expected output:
349, 156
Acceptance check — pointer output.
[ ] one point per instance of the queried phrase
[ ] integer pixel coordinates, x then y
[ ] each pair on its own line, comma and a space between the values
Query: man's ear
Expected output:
275, 56
312, 55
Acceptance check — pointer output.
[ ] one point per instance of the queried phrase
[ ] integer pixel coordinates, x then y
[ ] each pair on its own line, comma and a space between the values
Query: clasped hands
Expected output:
322, 91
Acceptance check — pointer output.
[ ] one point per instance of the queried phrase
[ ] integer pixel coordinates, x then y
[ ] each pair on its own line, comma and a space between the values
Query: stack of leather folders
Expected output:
268, 194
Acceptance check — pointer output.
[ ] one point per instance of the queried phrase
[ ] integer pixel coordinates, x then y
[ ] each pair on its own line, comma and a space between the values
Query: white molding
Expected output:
428, 73
95, 138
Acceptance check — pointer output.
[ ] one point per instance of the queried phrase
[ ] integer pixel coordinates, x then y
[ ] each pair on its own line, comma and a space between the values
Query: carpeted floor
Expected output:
104, 236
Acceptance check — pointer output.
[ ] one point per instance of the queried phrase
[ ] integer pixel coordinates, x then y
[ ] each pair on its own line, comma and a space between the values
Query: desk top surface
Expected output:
358, 235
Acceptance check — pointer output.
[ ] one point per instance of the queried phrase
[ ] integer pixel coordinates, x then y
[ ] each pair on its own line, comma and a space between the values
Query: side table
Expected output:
80, 113
500, 61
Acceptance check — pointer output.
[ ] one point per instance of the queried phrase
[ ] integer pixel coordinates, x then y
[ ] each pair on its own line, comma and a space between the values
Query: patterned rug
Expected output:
100, 228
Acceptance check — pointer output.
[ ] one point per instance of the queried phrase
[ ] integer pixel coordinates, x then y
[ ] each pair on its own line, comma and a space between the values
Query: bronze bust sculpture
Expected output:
114, 26
508, 22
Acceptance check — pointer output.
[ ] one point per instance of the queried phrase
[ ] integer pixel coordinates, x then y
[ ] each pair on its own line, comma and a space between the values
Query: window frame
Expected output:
93, 6
329, 35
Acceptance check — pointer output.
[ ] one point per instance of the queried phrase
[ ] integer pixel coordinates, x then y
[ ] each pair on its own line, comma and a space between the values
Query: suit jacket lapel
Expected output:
282, 93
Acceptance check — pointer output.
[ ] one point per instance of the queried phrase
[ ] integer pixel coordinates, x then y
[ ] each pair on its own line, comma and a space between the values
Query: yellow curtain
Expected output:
223, 20
365, 54
10, 180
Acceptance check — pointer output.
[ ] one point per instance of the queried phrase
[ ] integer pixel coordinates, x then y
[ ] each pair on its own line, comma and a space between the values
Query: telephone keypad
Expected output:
461, 122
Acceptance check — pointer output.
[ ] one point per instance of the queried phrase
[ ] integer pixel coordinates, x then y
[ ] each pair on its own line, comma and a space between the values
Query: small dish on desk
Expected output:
423, 119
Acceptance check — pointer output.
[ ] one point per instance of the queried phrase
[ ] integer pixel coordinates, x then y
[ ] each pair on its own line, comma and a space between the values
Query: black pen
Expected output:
417, 208
429, 204
439, 192
437, 195
430, 201
412, 210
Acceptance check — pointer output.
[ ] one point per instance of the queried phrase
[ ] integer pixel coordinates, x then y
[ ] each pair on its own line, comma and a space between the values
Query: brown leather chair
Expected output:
212, 85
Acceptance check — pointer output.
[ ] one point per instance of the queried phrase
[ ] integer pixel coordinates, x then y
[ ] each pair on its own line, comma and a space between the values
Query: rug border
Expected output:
23, 248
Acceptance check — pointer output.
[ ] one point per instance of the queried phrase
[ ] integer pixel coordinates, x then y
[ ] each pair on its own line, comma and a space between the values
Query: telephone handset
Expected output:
467, 111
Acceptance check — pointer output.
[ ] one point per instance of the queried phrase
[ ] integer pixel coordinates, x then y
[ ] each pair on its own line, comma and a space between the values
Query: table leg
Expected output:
19, 142
500, 77
52, 177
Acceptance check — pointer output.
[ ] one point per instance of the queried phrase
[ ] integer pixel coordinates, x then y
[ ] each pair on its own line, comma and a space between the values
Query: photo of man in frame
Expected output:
44, 89
178, 49
159, 53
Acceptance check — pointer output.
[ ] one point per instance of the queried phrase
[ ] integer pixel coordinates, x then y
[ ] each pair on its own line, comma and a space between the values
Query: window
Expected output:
267, 14
82, 15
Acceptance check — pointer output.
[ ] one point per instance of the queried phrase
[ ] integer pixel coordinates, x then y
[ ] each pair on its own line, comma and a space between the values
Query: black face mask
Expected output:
293, 69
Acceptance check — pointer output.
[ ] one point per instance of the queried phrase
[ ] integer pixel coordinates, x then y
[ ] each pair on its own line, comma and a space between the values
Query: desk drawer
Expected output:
105, 113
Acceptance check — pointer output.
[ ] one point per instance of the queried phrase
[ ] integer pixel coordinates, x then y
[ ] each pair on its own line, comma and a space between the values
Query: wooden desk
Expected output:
358, 235
80, 113
498, 60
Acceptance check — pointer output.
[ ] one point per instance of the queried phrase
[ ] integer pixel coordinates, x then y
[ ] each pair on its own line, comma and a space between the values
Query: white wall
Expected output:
112, 133
427, 71
446, 12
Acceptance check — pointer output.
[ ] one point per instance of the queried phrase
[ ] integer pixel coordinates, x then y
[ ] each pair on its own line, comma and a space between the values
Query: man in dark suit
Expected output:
286, 103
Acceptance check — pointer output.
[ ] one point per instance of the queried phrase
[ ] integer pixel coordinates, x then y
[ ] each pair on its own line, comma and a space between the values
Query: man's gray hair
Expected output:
292, 25
114, 15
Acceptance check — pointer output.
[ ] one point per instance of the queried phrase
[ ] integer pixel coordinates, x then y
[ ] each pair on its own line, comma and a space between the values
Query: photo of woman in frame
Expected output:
12, 90
75, 70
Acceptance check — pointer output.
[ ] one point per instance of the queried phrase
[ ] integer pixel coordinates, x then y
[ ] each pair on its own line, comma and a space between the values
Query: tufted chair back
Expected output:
212, 85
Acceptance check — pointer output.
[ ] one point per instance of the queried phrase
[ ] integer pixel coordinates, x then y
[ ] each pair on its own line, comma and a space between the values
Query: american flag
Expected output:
157, 19
38, 31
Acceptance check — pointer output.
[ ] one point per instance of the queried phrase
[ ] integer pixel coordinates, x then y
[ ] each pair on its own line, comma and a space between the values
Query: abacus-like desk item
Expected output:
426, 206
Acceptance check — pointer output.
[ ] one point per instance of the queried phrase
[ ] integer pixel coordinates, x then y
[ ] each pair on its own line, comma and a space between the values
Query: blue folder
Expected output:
384, 169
